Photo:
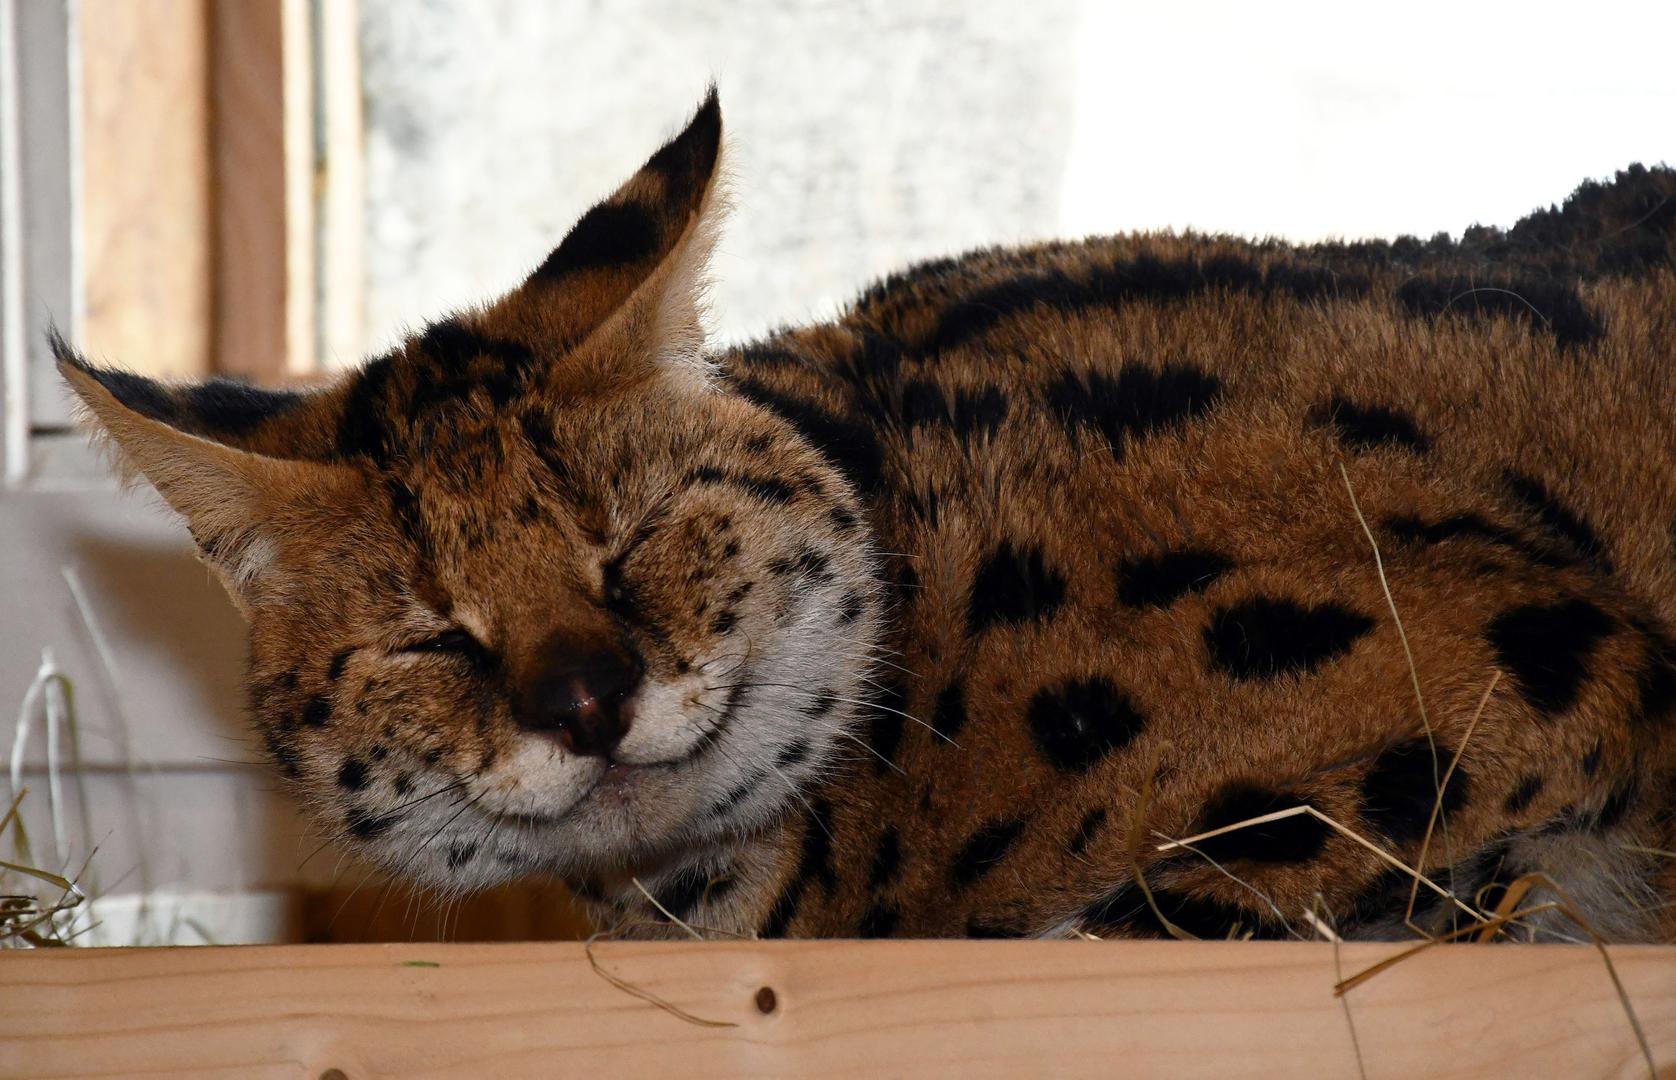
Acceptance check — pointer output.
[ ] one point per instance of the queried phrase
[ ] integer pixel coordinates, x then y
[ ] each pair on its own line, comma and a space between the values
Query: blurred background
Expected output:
273, 189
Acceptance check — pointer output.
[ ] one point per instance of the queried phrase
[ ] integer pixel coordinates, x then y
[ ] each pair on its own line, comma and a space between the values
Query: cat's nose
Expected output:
584, 699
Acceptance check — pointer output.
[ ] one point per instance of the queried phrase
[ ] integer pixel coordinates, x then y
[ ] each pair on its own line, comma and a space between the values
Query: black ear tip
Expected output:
689, 159
61, 350
705, 127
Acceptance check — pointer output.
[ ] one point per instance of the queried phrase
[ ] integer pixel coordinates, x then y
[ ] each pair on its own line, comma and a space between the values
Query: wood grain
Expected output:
840, 1009
145, 184
264, 251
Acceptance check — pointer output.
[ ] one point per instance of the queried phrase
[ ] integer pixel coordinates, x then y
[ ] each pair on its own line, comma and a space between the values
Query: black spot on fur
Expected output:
529, 512
1267, 637
317, 713
847, 441
284, 753
884, 729
1523, 794
460, 854
610, 235
879, 921
976, 314
1160, 580
1288, 840
949, 715
851, 608
814, 863
1368, 427
352, 776
334, 670
362, 430
404, 504
1014, 586
813, 563
1546, 647
1125, 912
724, 622
1138, 403
923, 404
979, 412
843, 517
462, 361
986, 847
732, 799
1409, 529
1655, 679
887, 859
794, 754
1616, 807
766, 488
365, 825
1543, 305
1076, 723
760, 355
1560, 520
1400, 789
1145, 278
821, 704
1591, 758
1086, 828
682, 893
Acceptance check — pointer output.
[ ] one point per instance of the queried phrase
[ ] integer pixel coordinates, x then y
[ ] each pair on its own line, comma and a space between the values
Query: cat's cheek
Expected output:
536, 780
671, 721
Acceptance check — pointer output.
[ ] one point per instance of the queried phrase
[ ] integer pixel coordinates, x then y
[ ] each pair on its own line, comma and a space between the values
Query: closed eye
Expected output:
455, 642
619, 599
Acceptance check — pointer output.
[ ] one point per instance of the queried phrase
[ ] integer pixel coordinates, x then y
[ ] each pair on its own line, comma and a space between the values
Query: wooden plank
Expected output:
263, 174
835, 1009
341, 180
145, 184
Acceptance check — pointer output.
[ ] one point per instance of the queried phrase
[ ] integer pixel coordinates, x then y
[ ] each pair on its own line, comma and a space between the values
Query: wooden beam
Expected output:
342, 186
261, 129
818, 1009
145, 184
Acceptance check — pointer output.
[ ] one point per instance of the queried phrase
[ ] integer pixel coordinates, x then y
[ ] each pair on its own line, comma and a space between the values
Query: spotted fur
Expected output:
955, 611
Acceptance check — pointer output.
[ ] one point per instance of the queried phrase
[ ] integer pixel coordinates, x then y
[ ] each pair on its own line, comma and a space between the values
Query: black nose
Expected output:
582, 699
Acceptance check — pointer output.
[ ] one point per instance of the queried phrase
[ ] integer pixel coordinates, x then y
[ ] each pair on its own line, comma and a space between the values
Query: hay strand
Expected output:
1437, 804
642, 993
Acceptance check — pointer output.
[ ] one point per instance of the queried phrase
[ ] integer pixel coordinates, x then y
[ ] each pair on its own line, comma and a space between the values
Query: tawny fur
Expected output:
928, 596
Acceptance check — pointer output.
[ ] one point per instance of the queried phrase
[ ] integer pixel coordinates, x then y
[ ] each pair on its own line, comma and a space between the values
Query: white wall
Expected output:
867, 134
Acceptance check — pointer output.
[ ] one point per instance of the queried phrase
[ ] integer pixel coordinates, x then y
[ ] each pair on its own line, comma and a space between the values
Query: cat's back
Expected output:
1136, 485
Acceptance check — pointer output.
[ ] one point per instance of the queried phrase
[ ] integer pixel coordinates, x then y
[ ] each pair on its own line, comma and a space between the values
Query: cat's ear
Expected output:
627, 282
240, 506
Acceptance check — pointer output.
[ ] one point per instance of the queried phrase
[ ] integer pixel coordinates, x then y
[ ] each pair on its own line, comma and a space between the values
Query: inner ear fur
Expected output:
238, 505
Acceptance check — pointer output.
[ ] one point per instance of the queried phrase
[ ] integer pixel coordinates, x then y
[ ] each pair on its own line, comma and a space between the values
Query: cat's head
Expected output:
531, 592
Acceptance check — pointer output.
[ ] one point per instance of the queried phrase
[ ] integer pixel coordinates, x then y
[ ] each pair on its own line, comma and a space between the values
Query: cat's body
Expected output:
894, 625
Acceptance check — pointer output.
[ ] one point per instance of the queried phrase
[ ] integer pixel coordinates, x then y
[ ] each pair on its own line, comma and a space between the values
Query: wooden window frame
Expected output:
180, 192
